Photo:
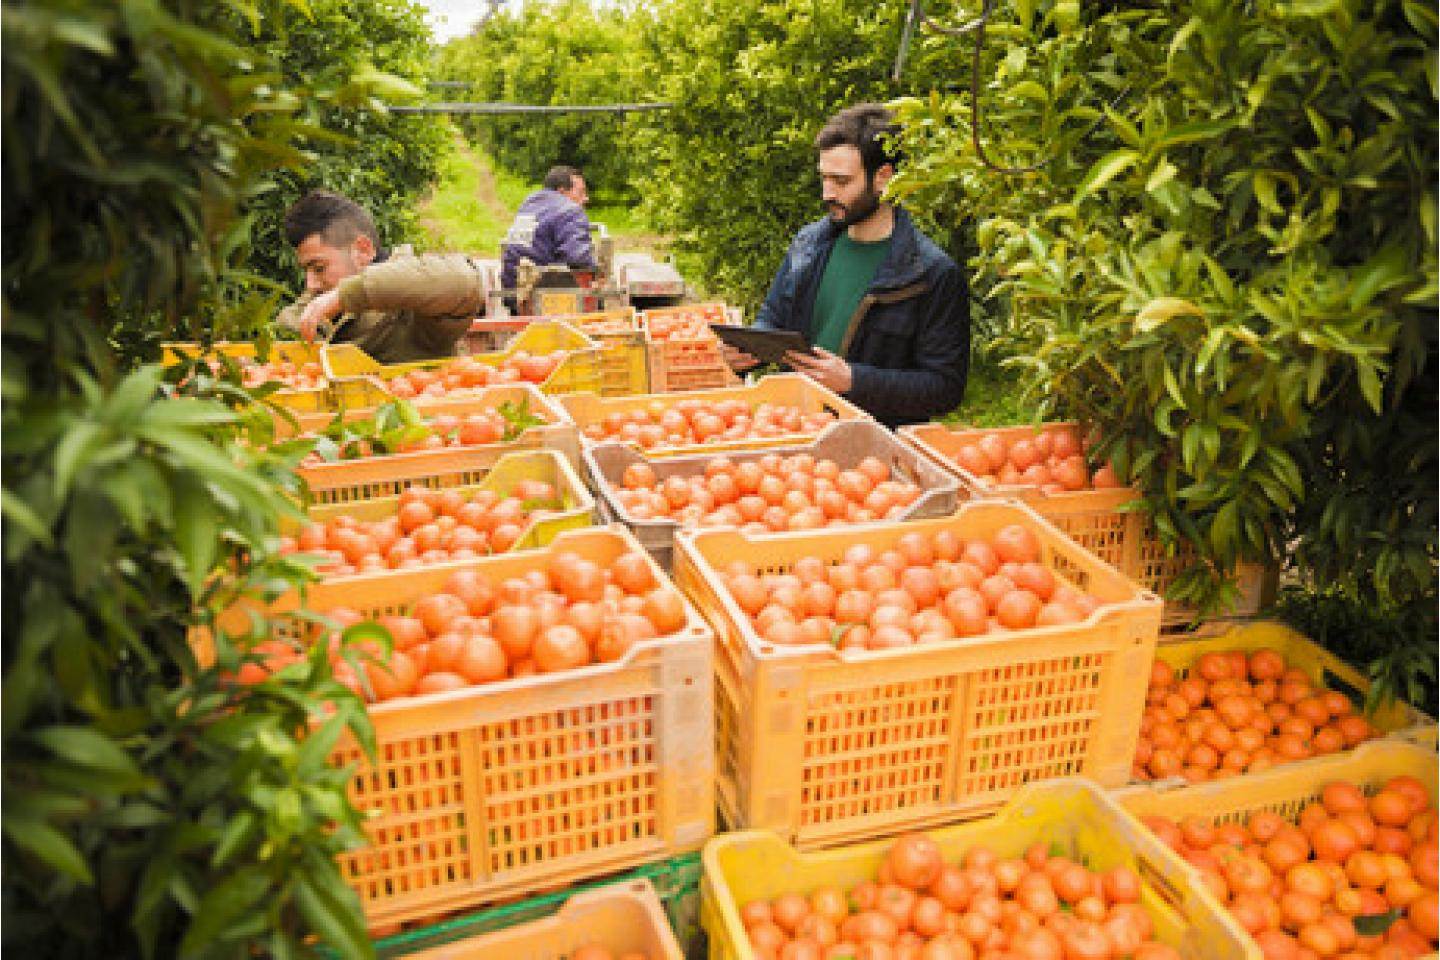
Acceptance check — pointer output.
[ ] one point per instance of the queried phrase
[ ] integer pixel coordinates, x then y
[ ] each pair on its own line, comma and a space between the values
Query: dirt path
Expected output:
486, 194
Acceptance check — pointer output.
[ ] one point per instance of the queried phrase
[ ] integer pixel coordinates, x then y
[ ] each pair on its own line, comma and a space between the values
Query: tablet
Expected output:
767, 346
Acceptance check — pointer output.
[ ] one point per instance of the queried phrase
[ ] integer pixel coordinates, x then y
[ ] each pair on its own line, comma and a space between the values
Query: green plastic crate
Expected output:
676, 882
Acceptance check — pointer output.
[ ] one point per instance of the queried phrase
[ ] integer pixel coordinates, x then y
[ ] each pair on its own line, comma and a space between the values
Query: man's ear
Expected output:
364, 250
882, 177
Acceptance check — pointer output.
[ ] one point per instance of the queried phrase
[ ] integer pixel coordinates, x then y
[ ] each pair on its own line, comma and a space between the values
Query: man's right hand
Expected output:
738, 359
323, 309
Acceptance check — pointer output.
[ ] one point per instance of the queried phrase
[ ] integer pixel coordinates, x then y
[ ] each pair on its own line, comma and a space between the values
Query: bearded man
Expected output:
886, 312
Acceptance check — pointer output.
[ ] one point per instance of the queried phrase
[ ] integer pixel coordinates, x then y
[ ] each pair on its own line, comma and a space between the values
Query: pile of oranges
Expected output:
702, 421
302, 376
1301, 889
464, 375
441, 432
1237, 713
1039, 907
428, 527
923, 589
691, 324
566, 613
768, 493
1052, 459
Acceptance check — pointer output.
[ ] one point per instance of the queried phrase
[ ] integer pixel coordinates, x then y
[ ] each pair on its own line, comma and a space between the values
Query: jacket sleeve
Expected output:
429, 287
778, 308
572, 239
942, 351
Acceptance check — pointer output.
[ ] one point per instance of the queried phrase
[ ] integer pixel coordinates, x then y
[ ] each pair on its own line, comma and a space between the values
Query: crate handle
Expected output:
1333, 681
1154, 876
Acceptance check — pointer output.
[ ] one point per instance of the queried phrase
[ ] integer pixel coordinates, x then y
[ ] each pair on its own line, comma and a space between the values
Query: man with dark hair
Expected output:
550, 226
394, 305
886, 312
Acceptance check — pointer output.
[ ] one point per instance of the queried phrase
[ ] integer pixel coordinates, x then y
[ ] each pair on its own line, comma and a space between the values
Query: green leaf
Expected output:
1192, 133
17, 511
1182, 36
186, 412
1172, 387
197, 533
1369, 384
49, 846
1162, 310
86, 747
1104, 170
237, 833
337, 921
1375, 924
1163, 173
223, 905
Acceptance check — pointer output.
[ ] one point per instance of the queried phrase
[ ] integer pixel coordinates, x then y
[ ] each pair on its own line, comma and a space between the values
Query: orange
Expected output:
1390, 808
1311, 879
1341, 797
1334, 841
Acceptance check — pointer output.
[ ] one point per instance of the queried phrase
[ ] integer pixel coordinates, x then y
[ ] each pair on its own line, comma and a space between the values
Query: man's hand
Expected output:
323, 309
824, 367
738, 359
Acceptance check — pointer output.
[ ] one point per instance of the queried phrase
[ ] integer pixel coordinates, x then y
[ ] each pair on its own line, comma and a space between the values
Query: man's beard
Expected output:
863, 210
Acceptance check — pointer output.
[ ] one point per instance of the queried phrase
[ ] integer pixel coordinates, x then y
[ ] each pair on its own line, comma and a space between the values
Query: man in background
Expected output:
885, 310
550, 227
394, 305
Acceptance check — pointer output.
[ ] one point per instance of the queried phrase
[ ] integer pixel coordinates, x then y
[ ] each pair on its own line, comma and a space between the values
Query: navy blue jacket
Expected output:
548, 228
908, 344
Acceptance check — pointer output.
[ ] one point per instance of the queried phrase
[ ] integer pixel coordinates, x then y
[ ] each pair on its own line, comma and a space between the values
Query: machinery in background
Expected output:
619, 280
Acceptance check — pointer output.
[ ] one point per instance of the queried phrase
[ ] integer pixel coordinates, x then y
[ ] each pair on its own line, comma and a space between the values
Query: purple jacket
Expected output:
548, 228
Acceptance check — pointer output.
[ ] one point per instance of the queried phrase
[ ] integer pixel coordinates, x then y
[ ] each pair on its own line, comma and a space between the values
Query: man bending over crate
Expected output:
390, 303
886, 313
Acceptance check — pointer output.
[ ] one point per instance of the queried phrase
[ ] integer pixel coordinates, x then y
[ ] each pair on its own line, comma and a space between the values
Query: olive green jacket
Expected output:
403, 307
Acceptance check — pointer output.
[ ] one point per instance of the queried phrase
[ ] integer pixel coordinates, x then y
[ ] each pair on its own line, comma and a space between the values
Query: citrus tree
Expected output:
354, 56
1227, 262
151, 806
566, 53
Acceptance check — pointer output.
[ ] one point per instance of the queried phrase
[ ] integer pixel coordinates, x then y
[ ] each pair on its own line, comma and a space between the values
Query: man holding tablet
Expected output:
885, 311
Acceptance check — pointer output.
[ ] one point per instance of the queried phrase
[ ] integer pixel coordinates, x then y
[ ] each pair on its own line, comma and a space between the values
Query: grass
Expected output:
474, 202
991, 399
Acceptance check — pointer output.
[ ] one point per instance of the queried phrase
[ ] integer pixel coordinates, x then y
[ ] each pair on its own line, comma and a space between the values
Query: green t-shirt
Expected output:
847, 276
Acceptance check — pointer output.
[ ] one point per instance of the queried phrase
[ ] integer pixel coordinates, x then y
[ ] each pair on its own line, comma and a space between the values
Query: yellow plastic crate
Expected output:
789, 389
579, 372
847, 443
1284, 790
1097, 519
526, 785
622, 917
577, 508
349, 481
334, 395
1320, 665
826, 746
1073, 814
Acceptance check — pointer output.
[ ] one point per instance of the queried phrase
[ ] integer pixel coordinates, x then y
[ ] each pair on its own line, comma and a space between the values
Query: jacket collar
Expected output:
903, 265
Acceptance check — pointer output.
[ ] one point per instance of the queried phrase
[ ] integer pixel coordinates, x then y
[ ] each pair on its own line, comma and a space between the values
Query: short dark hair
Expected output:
866, 127
561, 177
339, 220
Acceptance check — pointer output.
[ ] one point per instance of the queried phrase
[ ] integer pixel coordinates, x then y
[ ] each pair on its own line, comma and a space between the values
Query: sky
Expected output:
453, 18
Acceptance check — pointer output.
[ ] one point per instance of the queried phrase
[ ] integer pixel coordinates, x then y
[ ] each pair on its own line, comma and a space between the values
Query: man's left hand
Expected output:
323, 309
822, 366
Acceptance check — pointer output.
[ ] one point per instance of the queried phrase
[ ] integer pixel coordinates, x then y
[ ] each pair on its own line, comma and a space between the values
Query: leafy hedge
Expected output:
151, 807
1228, 263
